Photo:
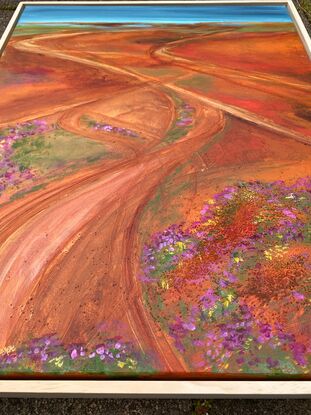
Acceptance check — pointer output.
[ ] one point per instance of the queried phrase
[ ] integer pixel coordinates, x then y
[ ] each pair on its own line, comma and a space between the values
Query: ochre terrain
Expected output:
70, 253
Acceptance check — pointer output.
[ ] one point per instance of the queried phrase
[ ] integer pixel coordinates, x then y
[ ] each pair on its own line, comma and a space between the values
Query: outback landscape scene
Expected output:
155, 199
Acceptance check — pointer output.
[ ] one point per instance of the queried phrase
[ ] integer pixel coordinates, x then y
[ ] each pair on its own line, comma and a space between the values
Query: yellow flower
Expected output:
230, 297
131, 363
58, 361
228, 300
180, 245
164, 284
277, 251
237, 259
290, 196
210, 222
121, 364
7, 350
212, 310
248, 343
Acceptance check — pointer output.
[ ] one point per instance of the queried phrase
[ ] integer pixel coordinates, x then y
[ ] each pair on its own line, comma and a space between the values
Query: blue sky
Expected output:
154, 13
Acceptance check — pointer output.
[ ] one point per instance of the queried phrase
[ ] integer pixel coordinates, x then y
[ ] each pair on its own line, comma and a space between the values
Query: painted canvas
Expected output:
155, 193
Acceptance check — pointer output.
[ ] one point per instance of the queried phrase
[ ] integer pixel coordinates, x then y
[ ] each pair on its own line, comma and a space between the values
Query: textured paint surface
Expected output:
155, 194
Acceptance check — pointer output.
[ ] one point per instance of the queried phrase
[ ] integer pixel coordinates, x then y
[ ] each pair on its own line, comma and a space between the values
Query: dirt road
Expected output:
70, 253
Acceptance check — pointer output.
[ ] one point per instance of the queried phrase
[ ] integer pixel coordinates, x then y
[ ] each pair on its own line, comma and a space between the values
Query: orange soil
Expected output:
248, 71
70, 253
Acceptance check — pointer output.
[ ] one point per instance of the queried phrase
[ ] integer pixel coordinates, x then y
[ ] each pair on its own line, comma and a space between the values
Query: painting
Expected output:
155, 193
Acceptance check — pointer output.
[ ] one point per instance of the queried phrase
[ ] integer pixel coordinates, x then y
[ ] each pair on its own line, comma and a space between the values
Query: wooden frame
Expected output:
147, 388
156, 389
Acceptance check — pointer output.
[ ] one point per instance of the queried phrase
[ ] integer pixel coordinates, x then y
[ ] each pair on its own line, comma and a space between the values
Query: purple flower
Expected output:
223, 283
298, 296
289, 213
101, 350
209, 299
299, 350
44, 356
265, 333
272, 363
189, 326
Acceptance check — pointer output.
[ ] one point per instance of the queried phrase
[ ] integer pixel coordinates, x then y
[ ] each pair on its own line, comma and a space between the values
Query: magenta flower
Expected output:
100, 350
298, 296
289, 213
209, 299
189, 326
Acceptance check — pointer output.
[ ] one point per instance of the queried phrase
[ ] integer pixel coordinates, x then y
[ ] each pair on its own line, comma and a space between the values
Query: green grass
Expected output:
158, 71
200, 82
25, 30
37, 29
176, 132
267, 27
55, 150
21, 194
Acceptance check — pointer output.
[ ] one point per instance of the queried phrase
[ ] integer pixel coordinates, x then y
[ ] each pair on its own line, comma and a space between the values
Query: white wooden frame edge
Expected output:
158, 388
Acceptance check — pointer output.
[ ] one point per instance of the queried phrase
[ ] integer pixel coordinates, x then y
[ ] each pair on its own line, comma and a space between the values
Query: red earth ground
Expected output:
70, 253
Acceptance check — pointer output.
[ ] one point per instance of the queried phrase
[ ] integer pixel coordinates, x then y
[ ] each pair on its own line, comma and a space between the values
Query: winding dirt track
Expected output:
94, 215
69, 256
163, 53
